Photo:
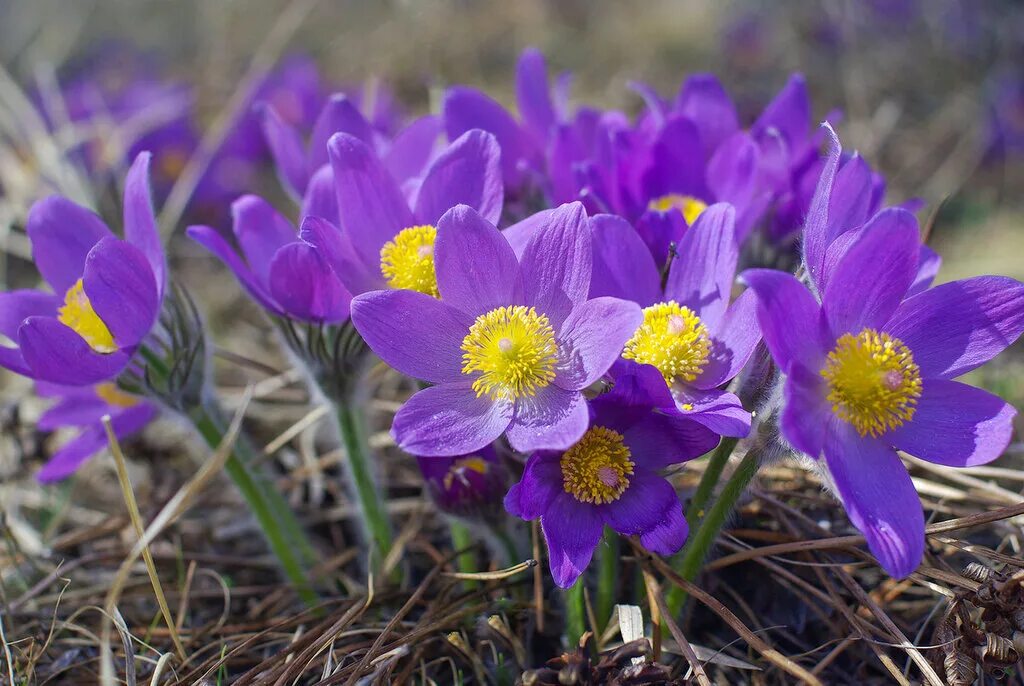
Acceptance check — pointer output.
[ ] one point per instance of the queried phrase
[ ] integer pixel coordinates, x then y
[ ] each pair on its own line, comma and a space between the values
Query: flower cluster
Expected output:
562, 285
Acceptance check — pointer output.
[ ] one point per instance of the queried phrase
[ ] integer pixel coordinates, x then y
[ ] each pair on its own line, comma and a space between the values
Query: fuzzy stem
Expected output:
691, 560
710, 478
465, 561
285, 535
575, 614
376, 525
607, 576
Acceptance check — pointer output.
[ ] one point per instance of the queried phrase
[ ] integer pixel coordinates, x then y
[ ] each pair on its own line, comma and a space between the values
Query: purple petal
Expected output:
956, 425
519, 234
816, 226
805, 411
371, 207
637, 386
592, 338
874, 275
928, 264
468, 108
65, 461
287, 151
339, 115
704, 101
669, 535
413, 147
75, 410
553, 419
215, 243
533, 93
674, 168
623, 266
643, 505
659, 440
557, 262
541, 484
119, 283
957, 326
62, 234
320, 200
572, 531
416, 334
305, 286
475, 266
733, 343
140, 227
16, 306
659, 230
702, 275
733, 170
789, 113
791, 321
449, 420
468, 172
335, 247
55, 353
878, 496
260, 231
720, 411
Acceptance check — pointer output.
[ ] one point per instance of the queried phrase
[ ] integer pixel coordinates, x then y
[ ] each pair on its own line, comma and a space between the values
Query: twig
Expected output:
654, 593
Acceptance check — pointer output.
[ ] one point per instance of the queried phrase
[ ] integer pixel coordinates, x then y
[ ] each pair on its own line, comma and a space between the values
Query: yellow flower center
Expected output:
460, 467
112, 395
513, 350
597, 468
873, 382
673, 339
78, 315
690, 206
408, 260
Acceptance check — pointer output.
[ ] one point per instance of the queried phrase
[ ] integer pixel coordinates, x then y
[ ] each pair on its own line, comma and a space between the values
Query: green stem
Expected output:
710, 478
466, 560
690, 561
285, 535
575, 614
376, 525
607, 576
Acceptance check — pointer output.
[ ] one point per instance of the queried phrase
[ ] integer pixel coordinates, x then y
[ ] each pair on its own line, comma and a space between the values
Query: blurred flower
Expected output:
511, 342
82, 408
869, 372
469, 486
610, 476
108, 290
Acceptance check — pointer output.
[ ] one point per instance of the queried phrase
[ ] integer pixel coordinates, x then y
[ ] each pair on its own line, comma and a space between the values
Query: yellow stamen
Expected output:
408, 260
873, 381
597, 468
78, 315
690, 206
112, 395
513, 349
673, 339
460, 467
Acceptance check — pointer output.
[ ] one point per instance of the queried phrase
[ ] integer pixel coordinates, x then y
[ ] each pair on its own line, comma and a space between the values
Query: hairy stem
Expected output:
607, 576
575, 614
465, 561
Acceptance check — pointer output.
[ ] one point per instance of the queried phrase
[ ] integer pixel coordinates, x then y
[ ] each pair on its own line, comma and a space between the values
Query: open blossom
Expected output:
610, 476
510, 344
284, 274
870, 371
386, 238
82, 408
107, 290
469, 485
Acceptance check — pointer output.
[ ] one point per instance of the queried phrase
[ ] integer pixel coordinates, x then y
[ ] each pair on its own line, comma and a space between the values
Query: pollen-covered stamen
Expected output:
673, 339
459, 470
597, 468
688, 205
77, 314
407, 261
512, 351
873, 381
112, 395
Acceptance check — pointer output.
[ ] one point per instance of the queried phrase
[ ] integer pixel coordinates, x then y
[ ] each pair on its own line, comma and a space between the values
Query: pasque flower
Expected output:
469, 485
610, 476
386, 240
284, 274
82, 408
107, 290
510, 344
871, 371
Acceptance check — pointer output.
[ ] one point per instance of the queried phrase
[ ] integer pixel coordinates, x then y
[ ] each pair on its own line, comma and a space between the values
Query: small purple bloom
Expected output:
610, 476
465, 485
83, 407
108, 290
870, 371
510, 344
286, 275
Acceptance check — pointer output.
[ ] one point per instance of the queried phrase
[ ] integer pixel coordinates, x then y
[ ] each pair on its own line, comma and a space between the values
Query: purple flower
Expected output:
870, 371
82, 407
511, 343
386, 240
610, 476
287, 276
690, 332
465, 485
107, 290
